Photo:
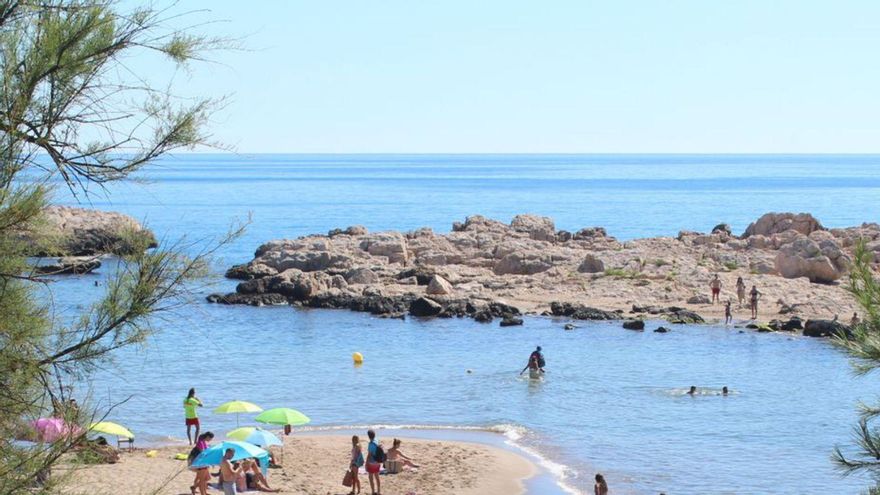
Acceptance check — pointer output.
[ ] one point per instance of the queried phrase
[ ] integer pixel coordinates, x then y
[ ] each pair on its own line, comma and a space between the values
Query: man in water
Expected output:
693, 390
536, 361
715, 285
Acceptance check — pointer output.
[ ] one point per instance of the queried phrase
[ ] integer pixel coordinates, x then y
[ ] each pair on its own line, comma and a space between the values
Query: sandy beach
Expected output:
315, 465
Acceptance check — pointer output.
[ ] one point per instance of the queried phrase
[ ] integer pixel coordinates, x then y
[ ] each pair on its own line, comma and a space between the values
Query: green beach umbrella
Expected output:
111, 428
237, 407
283, 416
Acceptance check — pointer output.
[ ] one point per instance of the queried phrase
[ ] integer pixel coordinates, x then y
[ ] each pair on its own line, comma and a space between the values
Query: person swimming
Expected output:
724, 390
693, 390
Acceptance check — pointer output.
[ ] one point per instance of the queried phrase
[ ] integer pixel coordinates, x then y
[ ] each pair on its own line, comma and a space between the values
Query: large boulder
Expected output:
591, 264
822, 262
581, 312
519, 263
389, 244
361, 275
82, 232
538, 228
825, 328
439, 286
69, 266
425, 307
775, 223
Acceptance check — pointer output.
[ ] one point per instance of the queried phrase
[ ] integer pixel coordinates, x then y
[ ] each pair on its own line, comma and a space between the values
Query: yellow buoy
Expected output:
358, 358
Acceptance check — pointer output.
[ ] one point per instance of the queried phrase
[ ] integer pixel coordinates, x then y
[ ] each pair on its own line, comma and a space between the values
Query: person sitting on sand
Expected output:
754, 295
397, 461
715, 285
854, 322
251, 478
740, 290
229, 472
203, 476
355, 463
693, 390
728, 315
600, 488
374, 463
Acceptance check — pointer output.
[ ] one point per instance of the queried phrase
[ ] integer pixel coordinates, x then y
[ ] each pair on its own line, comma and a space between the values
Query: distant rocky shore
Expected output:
486, 269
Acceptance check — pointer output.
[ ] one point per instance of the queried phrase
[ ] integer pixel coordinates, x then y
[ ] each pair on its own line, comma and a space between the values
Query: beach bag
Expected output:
379, 455
348, 479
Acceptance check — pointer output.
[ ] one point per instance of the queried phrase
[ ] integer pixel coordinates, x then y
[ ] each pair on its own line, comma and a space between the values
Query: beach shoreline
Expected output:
313, 463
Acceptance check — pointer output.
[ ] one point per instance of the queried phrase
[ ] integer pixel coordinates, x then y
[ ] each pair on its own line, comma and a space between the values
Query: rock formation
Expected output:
83, 232
587, 274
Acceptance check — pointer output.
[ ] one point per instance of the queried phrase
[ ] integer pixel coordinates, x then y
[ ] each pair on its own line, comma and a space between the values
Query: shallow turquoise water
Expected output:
613, 399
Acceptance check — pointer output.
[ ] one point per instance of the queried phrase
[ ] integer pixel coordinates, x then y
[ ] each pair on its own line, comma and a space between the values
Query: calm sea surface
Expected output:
613, 400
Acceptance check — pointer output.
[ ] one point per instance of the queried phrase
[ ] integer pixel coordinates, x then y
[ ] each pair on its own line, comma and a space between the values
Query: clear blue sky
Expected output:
555, 76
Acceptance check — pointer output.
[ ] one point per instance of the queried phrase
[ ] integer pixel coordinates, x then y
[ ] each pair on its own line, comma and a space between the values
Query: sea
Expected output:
612, 401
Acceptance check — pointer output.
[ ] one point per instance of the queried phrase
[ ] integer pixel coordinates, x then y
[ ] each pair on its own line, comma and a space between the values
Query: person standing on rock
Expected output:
740, 291
715, 285
754, 295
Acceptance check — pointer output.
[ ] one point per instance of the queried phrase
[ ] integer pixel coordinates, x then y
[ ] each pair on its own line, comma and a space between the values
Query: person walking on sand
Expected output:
357, 460
740, 290
375, 458
229, 473
192, 416
754, 295
601, 487
715, 285
728, 315
203, 476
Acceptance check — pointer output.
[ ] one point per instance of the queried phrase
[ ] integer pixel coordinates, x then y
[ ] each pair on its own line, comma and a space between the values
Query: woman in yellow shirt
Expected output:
192, 416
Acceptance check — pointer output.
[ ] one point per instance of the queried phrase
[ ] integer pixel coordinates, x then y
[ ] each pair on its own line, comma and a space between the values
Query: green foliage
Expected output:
731, 265
621, 273
71, 109
863, 345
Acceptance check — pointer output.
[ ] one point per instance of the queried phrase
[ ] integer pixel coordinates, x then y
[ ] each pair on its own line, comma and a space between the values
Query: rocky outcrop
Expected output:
825, 328
634, 325
83, 232
69, 266
586, 273
777, 223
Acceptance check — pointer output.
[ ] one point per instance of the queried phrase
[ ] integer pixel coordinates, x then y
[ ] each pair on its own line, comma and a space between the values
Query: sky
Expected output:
508, 76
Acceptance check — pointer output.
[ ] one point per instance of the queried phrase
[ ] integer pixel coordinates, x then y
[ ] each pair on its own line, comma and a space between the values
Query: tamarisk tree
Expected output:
75, 112
863, 345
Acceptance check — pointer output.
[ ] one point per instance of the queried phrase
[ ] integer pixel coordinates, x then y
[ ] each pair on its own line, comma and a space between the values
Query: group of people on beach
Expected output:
233, 476
754, 295
394, 461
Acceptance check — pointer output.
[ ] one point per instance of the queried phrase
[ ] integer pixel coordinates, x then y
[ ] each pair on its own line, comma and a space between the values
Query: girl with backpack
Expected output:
375, 458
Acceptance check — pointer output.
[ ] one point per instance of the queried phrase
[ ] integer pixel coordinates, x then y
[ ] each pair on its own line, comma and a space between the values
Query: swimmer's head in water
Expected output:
692, 390
724, 390
539, 348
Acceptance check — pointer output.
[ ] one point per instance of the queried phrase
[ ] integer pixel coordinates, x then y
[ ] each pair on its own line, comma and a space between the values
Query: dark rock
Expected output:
786, 326
501, 309
563, 236
634, 325
661, 330
569, 326
483, 316
722, 228
590, 233
422, 275
268, 299
239, 272
825, 328
511, 321
699, 299
650, 309
683, 316
581, 312
69, 266
425, 307
334, 232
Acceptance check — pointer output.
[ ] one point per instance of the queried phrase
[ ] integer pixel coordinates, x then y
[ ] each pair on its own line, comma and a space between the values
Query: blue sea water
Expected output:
613, 401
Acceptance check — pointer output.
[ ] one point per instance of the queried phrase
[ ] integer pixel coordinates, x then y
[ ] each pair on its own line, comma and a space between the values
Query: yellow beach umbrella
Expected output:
111, 428
237, 407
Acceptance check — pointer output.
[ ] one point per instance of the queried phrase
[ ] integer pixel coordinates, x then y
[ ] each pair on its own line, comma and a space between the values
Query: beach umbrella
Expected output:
256, 436
111, 428
51, 429
282, 416
213, 456
237, 407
